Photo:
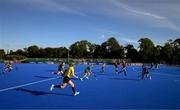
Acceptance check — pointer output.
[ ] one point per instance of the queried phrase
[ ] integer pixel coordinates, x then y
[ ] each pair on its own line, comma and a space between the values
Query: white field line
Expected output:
27, 84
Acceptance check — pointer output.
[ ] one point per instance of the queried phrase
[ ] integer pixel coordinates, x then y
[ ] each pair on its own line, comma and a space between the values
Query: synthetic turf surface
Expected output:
105, 91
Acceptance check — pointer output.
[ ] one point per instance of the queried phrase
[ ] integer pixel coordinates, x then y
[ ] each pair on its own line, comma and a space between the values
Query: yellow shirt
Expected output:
70, 71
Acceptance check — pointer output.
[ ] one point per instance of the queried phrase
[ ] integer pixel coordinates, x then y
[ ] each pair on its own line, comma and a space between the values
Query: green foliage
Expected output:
97, 53
146, 49
14, 57
157, 54
110, 49
33, 51
167, 52
80, 49
132, 53
2, 54
176, 53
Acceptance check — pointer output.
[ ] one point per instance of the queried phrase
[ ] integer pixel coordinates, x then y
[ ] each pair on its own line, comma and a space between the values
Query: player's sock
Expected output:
73, 89
57, 86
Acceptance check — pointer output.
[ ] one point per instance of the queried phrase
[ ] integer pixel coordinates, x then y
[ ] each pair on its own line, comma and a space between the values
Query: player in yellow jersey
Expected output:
67, 80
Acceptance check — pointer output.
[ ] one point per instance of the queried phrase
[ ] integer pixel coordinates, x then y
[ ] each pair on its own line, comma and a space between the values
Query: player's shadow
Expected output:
74, 79
131, 79
51, 70
104, 74
40, 93
43, 77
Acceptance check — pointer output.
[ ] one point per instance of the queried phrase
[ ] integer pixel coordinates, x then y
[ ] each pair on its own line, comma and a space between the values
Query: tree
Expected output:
33, 51
176, 53
91, 51
97, 51
61, 52
157, 53
104, 50
20, 52
80, 49
2, 54
131, 53
42, 53
146, 49
48, 52
11, 52
112, 49
167, 52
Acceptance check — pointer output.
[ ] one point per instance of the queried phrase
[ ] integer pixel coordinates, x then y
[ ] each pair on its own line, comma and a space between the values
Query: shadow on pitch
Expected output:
51, 70
40, 93
131, 79
43, 77
104, 74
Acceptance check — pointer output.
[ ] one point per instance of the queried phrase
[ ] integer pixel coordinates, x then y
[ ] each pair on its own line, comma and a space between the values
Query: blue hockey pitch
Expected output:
27, 87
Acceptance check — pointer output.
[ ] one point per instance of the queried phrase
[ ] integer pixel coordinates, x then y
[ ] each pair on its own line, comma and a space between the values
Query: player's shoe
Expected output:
81, 79
76, 93
52, 87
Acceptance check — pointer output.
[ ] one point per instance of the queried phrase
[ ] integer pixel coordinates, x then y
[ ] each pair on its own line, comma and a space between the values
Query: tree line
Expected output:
111, 49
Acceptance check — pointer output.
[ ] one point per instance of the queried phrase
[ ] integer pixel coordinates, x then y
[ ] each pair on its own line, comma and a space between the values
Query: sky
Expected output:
57, 23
